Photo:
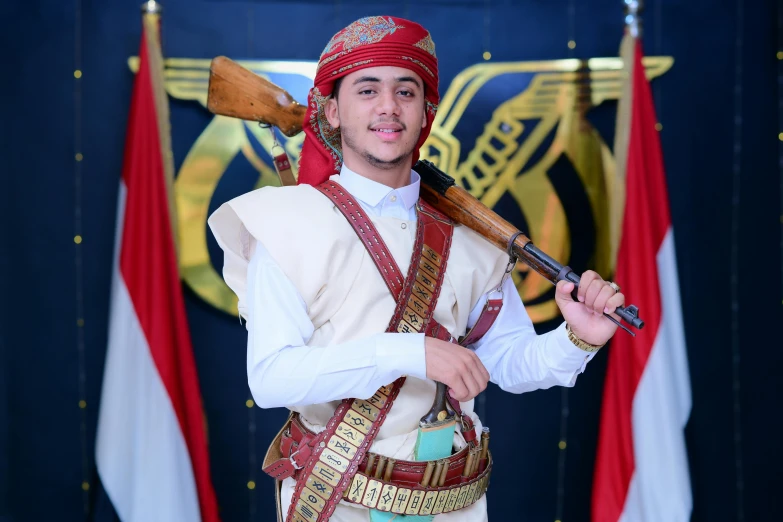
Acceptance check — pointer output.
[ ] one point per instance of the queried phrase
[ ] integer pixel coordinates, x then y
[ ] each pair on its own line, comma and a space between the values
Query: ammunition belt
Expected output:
383, 495
402, 486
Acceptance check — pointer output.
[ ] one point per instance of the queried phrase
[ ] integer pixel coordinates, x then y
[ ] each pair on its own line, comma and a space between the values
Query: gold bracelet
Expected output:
582, 345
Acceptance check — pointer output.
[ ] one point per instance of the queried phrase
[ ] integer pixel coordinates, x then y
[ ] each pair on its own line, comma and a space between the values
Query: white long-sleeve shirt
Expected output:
284, 371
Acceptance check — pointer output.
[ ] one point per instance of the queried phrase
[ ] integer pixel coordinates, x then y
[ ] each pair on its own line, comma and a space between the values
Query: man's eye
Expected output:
366, 91
406, 93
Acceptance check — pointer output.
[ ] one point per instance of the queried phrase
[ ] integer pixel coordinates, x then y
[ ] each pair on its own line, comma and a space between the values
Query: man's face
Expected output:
380, 112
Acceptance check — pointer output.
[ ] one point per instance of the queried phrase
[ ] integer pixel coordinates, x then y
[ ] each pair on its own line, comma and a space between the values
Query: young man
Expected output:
318, 302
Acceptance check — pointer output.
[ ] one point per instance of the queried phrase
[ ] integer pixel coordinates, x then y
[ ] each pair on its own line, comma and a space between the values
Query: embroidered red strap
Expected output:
428, 261
434, 224
367, 233
433, 234
335, 454
484, 322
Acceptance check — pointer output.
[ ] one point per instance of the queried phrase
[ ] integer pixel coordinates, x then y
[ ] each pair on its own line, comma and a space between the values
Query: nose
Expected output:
387, 103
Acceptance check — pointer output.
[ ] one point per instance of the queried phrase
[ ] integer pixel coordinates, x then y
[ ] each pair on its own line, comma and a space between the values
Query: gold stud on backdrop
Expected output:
487, 20
80, 380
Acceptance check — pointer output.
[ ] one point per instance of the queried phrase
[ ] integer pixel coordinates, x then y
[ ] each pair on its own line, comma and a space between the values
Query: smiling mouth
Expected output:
387, 131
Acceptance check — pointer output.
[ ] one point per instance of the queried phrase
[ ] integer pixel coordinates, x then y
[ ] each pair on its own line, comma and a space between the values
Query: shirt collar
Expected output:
372, 193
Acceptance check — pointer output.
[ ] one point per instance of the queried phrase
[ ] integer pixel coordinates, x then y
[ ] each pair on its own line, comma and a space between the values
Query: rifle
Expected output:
237, 92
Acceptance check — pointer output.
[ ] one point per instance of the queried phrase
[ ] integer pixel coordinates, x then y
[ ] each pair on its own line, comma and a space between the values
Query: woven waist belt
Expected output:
400, 486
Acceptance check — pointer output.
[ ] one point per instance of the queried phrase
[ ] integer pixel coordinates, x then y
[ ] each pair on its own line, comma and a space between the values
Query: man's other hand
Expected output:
458, 368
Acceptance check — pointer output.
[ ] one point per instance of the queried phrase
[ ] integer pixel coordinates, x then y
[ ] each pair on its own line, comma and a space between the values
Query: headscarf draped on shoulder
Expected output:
374, 41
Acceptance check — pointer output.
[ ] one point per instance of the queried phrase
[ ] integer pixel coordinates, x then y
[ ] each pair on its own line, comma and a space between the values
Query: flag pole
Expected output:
151, 7
151, 13
633, 20
615, 180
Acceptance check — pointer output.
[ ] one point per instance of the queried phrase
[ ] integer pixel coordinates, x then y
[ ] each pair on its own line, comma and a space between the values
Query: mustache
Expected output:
381, 122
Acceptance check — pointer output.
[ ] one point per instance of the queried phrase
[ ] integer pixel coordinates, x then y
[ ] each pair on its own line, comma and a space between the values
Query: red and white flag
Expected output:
641, 472
151, 448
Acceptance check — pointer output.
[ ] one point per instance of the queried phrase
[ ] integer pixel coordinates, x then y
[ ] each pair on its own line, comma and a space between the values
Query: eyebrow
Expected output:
372, 79
411, 79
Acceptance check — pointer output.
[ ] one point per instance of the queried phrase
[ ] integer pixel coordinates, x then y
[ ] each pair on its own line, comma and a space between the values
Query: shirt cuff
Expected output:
565, 355
402, 353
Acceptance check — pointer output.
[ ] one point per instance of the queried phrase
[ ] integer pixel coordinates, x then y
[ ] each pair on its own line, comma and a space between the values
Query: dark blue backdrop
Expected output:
50, 361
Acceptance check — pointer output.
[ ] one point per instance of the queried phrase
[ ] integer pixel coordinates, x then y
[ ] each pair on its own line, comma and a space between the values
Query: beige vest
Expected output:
345, 295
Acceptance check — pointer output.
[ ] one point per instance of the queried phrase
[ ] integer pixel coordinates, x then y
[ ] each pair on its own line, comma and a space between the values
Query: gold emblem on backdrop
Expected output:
523, 135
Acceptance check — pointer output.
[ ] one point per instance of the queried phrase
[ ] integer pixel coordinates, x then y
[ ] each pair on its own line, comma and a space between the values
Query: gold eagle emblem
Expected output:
516, 135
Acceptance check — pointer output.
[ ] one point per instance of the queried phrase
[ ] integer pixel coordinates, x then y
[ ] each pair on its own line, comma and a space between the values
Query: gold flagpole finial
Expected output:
633, 20
151, 7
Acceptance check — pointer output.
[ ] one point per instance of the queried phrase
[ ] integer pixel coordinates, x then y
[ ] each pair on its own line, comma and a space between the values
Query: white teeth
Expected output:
387, 131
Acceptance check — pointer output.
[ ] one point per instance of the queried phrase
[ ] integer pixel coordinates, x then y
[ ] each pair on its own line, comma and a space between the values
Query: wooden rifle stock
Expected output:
237, 92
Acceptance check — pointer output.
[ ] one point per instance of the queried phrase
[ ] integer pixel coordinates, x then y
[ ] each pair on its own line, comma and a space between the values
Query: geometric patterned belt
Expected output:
383, 495
408, 487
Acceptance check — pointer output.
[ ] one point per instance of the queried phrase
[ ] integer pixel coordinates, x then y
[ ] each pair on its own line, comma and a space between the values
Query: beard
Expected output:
350, 142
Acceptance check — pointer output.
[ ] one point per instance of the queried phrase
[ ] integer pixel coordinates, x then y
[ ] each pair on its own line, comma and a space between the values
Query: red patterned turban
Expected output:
374, 41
